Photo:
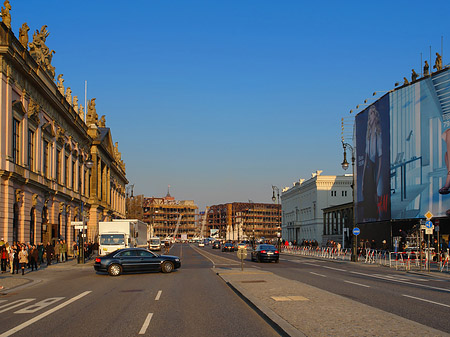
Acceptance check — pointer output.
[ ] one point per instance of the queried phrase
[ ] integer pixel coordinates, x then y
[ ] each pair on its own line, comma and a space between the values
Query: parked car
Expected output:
216, 245
135, 260
228, 247
265, 252
201, 244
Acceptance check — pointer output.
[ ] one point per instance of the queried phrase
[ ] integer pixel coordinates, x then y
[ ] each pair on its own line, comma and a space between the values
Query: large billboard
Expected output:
372, 162
414, 122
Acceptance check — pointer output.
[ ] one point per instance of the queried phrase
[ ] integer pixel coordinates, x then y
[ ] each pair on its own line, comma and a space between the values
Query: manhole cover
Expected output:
255, 281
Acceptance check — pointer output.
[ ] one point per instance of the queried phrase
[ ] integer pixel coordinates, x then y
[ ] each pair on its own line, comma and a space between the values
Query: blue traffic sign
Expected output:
428, 224
356, 231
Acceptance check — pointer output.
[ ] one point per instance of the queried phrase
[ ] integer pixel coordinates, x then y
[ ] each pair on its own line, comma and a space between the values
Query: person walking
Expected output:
57, 250
23, 259
4, 257
34, 256
64, 249
49, 251
40, 248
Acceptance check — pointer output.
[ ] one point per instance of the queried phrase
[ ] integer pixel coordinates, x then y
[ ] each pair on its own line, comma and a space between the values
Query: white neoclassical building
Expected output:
303, 204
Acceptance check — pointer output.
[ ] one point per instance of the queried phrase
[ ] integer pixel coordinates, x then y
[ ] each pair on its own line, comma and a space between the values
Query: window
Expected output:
16, 141
66, 169
31, 149
45, 159
344, 193
58, 166
73, 173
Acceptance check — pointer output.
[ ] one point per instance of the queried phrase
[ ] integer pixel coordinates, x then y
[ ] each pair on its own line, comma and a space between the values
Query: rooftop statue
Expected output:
6, 17
23, 35
405, 80
40, 52
81, 112
60, 84
414, 75
75, 104
438, 62
69, 95
91, 117
102, 122
426, 69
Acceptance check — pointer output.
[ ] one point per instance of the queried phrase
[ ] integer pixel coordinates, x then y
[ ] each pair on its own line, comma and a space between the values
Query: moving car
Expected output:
216, 245
265, 252
228, 247
135, 260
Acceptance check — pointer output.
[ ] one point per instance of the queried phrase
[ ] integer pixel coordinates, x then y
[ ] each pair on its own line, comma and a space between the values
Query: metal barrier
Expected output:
399, 260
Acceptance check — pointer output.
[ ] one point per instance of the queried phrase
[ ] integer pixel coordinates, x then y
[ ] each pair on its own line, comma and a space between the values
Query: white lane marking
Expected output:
401, 278
358, 284
317, 274
40, 305
400, 281
422, 299
295, 261
16, 304
338, 269
44, 314
146, 323
158, 295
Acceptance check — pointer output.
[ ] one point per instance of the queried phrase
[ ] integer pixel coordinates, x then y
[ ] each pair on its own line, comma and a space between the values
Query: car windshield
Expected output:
155, 241
112, 239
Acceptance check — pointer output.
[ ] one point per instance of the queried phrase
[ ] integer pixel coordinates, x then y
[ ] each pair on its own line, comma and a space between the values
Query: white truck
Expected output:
154, 243
121, 233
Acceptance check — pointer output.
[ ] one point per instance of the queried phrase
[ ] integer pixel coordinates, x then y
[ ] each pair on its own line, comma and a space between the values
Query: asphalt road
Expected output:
417, 297
76, 301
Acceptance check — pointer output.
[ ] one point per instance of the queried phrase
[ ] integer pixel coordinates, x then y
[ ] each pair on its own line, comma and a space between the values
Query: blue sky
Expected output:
223, 99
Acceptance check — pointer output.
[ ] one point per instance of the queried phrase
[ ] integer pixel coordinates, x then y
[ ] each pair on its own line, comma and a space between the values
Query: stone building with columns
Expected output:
54, 161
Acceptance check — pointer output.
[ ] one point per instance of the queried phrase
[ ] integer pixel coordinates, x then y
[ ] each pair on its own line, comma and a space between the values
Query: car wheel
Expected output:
276, 261
258, 259
115, 270
167, 267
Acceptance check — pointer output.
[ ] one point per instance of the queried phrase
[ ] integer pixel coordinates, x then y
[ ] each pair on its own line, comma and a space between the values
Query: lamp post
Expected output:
89, 164
277, 199
354, 256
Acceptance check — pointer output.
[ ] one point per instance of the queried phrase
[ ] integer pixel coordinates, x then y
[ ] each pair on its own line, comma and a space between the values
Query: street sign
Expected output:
242, 253
428, 215
79, 227
356, 231
436, 228
77, 223
429, 224
429, 231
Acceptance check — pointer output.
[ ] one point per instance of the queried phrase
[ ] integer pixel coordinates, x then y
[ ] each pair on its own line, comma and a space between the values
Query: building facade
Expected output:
47, 147
303, 205
239, 221
164, 214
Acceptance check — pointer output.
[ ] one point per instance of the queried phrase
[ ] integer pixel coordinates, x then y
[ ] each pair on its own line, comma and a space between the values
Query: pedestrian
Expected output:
4, 257
167, 246
40, 248
65, 248
75, 249
49, 251
34, 256
16, 260
57, 250
23, 259
11, 259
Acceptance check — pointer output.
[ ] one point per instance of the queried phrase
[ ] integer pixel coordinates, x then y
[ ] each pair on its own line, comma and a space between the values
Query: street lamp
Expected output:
277, 198
345, 165
89, 164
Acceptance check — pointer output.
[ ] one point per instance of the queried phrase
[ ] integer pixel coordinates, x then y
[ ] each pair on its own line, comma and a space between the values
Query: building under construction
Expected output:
239, 221
164, 214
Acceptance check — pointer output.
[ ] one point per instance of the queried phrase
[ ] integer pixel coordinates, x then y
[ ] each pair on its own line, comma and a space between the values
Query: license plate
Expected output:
269, 253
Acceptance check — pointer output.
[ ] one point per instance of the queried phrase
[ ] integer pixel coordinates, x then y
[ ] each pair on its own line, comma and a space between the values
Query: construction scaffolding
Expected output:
239, 221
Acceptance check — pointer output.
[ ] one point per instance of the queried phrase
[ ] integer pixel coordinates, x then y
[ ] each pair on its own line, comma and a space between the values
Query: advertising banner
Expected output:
372, 163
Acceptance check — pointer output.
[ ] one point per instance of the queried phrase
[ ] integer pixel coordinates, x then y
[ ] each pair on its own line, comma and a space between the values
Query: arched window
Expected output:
32, 224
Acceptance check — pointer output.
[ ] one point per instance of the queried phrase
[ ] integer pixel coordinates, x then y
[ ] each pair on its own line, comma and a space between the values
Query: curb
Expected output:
274, 320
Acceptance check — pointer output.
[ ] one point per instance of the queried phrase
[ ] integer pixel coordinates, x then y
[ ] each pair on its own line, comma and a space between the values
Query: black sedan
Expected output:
265, 252
228, 247
216, 245
135, 260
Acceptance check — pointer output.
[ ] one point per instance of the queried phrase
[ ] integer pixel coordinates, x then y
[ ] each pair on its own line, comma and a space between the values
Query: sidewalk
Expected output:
302, 310
10, 282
